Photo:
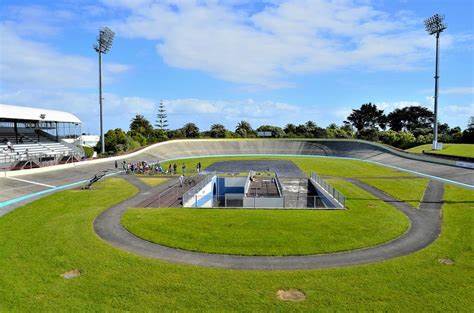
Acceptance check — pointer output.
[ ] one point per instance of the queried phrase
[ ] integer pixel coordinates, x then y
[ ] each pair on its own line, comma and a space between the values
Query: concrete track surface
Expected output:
33, 183
424, 229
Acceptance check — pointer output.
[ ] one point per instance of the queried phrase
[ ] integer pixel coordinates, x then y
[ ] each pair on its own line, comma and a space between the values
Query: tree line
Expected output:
402, 128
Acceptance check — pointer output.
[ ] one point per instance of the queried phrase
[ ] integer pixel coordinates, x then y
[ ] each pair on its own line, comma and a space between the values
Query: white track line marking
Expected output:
31, 182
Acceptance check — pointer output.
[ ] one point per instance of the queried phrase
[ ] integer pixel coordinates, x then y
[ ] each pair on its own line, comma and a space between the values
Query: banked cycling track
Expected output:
424, 222
19, 187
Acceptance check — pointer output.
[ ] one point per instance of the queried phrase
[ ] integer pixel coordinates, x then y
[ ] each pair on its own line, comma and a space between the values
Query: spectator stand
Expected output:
33, 137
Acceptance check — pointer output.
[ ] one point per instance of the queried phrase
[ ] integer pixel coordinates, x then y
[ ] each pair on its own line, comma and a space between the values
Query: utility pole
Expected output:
103, 45
102, 141
435, 25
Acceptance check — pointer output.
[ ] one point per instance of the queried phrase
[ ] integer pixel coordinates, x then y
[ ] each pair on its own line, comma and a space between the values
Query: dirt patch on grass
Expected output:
71, 274
446, 261
293, 295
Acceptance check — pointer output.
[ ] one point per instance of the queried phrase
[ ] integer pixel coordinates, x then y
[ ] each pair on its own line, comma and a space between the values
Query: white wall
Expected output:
235, 181
204, 198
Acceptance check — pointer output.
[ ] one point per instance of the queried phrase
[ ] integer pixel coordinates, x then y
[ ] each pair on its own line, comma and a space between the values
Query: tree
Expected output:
301, 130
160, 135
218, 131
190, 130
244, 129
116, 140
276, 131
410, 118
140, 125
175, 134
470, 124
368, 117
401, 139
310, 127
314, 131
137, 137
161, 117
333, 131
290, 130
347, 127
468, 134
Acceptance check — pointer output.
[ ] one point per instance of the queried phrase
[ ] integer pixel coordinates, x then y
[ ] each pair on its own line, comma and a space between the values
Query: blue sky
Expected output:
268, 62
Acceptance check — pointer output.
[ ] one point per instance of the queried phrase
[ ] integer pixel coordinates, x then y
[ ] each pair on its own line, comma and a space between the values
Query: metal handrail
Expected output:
278, 184
339, 197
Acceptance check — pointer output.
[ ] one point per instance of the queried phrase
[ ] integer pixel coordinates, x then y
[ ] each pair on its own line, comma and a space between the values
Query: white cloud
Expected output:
37, 20
229, 109
457, 91
459, 110
28, 63
456, 114
390, 106
283, 39
230, 112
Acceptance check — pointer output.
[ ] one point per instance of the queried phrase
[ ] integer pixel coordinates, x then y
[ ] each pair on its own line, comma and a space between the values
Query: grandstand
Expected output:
32, 137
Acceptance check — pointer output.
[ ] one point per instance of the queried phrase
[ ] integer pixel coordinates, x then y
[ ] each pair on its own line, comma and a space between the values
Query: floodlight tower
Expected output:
435, 25
103, 45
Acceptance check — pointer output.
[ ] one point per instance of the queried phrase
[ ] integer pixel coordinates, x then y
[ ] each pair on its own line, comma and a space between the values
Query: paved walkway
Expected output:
425, 228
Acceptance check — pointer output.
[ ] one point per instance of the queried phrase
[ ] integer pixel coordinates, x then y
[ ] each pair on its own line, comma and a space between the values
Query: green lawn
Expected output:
52, 235
410, 190
153, 181
367, 222
323, 166
456, 149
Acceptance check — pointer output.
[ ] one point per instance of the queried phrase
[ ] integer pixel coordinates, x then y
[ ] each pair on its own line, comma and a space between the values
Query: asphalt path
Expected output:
425, 227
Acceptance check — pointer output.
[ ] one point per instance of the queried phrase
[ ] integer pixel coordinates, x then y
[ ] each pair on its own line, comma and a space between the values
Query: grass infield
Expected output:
272, 232
153, 181
410, 190
322, 166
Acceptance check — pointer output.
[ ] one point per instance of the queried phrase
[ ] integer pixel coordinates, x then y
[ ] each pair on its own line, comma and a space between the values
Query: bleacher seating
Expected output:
33, 147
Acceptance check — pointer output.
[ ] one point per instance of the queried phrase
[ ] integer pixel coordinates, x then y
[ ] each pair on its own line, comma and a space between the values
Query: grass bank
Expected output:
454, 149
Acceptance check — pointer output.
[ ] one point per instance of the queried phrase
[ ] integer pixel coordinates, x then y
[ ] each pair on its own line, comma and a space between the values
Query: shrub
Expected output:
88, 151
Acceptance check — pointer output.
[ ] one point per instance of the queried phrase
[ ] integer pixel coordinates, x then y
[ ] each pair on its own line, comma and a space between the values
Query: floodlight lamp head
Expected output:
104, 40
435, 24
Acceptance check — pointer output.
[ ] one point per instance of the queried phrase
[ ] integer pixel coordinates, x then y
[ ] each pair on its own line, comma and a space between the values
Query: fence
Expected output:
336, 195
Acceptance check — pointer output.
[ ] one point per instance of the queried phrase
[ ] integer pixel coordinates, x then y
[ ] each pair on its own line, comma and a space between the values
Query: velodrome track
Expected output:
19, 187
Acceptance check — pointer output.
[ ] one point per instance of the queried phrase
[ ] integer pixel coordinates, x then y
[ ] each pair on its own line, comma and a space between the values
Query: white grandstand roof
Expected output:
36, 114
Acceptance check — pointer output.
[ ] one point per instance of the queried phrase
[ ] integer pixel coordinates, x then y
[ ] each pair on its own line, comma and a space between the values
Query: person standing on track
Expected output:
181, 181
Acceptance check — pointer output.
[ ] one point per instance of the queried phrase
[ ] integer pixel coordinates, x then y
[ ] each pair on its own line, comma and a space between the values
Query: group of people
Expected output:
140, 167
143, 167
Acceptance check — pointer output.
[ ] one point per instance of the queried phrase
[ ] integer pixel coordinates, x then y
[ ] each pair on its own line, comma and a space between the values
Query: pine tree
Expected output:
161, 120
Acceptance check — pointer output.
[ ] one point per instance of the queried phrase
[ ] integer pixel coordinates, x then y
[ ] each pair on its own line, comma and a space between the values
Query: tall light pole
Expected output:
103, 45
435, 26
